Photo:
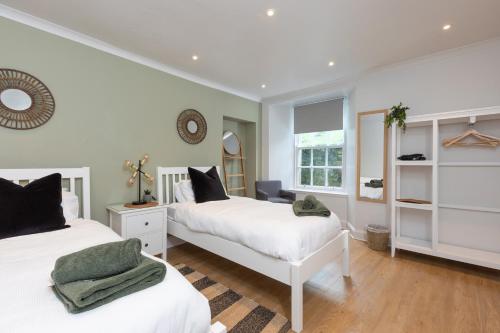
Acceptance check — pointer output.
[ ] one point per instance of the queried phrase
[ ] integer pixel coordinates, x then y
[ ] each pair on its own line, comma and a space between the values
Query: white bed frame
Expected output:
25, 176
28, 175
293, 274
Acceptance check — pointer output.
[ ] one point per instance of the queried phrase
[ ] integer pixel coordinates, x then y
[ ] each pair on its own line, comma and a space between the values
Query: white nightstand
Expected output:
147, 224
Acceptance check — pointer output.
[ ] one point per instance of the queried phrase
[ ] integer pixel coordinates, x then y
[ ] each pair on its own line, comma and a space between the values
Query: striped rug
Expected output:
238, 313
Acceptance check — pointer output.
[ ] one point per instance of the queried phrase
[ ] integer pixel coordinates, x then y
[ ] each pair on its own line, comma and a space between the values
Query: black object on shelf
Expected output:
412, 157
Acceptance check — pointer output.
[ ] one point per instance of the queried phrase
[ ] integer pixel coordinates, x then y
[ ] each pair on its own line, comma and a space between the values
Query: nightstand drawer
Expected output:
144, 223
152, 243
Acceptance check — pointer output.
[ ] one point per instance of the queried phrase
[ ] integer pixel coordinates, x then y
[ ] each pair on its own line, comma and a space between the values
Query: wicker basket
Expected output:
377, 237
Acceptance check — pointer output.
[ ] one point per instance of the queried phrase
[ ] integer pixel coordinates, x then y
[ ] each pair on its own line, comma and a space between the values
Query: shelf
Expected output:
230, 157
470, 208
412, 205
452, 252
236, 188
469, 164
471, 256
414, 163
413, 244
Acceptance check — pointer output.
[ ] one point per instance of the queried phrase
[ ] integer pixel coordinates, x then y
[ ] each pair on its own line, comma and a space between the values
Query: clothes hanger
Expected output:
483, 139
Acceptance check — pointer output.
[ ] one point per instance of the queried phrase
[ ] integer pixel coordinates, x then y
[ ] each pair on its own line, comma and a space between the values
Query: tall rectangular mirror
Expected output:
372, 156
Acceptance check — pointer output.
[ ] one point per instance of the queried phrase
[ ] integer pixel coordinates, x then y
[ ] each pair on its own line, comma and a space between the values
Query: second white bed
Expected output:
268, 228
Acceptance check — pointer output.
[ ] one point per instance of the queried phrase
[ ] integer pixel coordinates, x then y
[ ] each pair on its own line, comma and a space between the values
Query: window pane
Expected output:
335, 177
319, 177
327, 138
305, 176
319, 157
335, 156
305, 157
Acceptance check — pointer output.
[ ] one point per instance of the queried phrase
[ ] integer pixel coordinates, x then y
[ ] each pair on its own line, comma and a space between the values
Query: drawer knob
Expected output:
146, 224
146, 245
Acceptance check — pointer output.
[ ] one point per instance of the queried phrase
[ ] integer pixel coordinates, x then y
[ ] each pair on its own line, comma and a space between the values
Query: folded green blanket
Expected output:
98, 261
318, 208
80, 296
310, 202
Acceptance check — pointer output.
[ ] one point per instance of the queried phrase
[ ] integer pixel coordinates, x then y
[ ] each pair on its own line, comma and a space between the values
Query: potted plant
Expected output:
397, 115
147, 196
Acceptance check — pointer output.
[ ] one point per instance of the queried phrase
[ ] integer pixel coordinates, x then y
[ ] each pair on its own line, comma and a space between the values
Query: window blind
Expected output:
318, 117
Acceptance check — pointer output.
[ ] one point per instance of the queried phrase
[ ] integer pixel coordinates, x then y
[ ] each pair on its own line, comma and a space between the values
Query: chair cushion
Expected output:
280, 200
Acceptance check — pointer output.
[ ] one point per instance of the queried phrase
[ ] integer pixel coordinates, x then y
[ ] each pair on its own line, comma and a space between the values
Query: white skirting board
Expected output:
355, 233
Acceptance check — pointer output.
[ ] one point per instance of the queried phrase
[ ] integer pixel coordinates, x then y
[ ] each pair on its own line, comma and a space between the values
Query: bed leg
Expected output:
345, 257
297, 299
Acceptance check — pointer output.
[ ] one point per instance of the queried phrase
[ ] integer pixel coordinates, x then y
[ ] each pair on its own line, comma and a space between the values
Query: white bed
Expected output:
262, 236
27, 303
263, 226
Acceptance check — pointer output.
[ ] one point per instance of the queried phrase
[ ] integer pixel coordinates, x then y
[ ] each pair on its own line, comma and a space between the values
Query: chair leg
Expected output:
297, 300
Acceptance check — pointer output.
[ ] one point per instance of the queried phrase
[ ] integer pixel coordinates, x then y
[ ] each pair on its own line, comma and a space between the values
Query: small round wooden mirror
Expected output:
191, 126
25, 102
231, 143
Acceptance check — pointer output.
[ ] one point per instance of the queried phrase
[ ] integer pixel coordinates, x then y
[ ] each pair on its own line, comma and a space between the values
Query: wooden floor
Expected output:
409, 293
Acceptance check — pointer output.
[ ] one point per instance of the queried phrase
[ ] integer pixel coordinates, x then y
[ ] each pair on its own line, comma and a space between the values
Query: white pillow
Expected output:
70, 206
183, 191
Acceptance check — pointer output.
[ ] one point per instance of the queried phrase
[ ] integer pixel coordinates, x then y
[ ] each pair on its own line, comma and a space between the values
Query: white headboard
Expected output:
167, 177
72, 174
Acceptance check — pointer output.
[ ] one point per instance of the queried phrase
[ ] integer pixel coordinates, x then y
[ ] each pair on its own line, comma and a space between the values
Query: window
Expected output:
319, 160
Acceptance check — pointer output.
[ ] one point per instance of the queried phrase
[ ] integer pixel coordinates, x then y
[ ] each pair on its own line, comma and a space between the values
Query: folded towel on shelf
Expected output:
84, 295
412, 157
375, 183
317, 208
98, 261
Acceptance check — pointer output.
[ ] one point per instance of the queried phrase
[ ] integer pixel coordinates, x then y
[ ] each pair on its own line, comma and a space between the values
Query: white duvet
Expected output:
269, 228
27, 304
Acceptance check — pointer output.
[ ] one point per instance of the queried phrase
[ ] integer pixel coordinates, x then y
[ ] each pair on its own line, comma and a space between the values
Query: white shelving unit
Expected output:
438, 234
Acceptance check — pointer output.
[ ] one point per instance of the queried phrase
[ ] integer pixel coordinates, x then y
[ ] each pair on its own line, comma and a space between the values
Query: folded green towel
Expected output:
318, 210
98, 261
310, 202
80, 296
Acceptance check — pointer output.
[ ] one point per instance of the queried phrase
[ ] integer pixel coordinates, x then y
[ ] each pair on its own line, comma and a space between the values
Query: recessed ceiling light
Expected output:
195, 57
446, 27
331, 63
270, 12
263, 86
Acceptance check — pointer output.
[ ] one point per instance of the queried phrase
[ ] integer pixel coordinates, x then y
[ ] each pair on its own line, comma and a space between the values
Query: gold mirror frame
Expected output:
42, 102
359, 157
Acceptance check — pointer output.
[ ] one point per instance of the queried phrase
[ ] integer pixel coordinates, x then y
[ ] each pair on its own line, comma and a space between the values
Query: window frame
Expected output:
298, 167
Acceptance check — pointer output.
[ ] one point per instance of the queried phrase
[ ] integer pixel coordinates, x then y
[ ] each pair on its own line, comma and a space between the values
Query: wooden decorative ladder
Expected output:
238, 158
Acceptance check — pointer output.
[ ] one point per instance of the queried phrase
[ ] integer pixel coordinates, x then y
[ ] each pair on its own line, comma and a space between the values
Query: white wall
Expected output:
458, 79
281, 152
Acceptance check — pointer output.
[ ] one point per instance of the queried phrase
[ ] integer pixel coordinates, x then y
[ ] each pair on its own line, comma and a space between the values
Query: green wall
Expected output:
109, 109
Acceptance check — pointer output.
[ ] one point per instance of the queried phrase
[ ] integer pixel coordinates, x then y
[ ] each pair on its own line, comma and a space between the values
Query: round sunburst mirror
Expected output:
25, 102
191, 126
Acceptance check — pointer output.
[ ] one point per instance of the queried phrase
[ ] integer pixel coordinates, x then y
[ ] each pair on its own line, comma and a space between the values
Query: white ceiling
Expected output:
241, 48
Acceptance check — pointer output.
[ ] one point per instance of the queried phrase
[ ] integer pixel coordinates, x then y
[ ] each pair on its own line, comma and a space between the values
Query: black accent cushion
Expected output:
31, 209
207, 186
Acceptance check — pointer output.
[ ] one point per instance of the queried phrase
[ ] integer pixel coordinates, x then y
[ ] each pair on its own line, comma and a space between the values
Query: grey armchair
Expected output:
270, 190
